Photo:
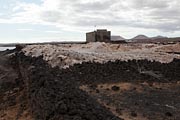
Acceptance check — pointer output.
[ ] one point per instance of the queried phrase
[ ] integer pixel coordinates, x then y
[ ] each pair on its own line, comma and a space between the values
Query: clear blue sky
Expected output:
69, 20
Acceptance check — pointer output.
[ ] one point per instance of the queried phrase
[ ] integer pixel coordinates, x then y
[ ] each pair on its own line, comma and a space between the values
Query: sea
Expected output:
5, 48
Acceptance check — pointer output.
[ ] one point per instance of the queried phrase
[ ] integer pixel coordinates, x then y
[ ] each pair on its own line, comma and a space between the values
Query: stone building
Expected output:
101, 35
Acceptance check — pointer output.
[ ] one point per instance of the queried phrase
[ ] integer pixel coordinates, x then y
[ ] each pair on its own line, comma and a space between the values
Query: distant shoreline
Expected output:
7, 48
14, 44
8, 45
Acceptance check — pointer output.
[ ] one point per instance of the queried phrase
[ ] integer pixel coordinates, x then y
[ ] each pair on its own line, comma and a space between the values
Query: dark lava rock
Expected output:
119, 111
133, 114
107, 89
55, 93
19, 47
93, 86
168, 114
115, 88
97, 91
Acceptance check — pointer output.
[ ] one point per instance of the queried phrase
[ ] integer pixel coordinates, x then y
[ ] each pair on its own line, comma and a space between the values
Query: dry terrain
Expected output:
94, 81
64, 55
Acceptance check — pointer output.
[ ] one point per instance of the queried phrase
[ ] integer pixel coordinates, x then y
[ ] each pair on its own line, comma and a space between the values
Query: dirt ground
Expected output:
91, 82
139, 101
13, 103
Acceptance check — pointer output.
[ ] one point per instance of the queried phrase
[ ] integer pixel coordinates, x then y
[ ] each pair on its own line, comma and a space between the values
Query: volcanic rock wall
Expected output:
54, 94
134, 71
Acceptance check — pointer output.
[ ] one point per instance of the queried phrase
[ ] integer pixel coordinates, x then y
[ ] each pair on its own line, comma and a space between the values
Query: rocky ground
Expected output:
65, 55
95, 81
13, 101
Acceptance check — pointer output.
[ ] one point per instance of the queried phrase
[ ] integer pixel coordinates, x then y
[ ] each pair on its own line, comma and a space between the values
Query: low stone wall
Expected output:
54, 93
54, 96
